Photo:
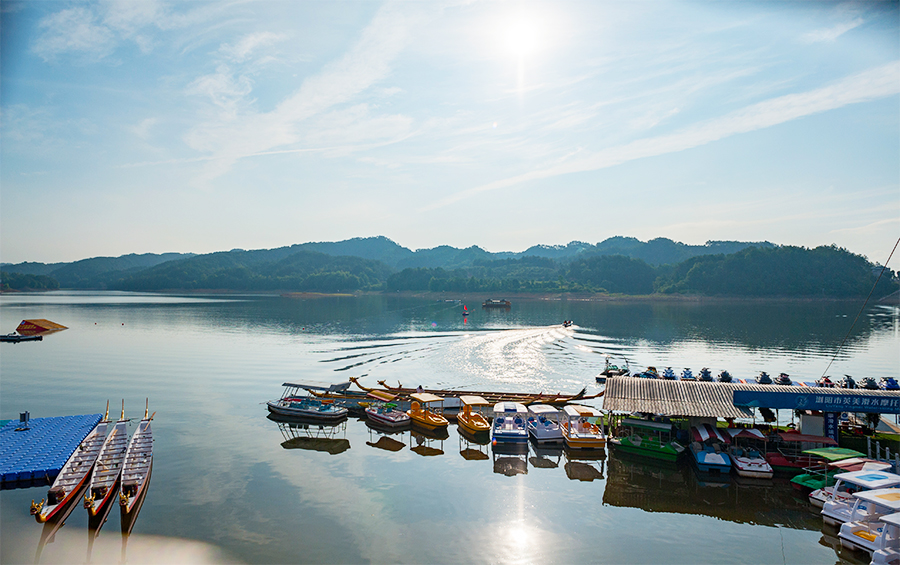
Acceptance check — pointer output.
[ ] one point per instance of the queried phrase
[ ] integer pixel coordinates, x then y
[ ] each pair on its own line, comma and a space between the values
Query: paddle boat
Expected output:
104, 479
648, 439
866, 531
819, 496
708, 449
137, 466
821, 473
543, 424
580, 433
73, 475
509, 423
384, 412
788, 457
838, 507
746, 453
470, 417
889, 552
308, 408
422, 415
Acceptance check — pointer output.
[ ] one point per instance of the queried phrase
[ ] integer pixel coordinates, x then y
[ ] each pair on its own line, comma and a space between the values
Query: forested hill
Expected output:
617, 265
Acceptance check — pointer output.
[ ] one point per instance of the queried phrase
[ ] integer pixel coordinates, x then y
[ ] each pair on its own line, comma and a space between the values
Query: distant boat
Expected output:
493, 303
16, 338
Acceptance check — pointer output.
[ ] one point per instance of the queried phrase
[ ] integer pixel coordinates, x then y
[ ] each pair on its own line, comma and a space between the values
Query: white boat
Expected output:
73, 475
543, 424
578, 432
137, 466
866, 531
509, 423
384, 411
105, 475
819, 496
747, 457
889, 552
838, 507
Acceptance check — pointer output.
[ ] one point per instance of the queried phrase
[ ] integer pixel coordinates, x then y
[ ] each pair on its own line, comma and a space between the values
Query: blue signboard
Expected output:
808, 398
831, 425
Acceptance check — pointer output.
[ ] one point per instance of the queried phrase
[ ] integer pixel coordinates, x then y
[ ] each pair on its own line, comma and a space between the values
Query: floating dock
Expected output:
37, 449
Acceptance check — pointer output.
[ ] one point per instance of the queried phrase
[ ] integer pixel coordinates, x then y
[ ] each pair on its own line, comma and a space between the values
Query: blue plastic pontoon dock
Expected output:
40, 451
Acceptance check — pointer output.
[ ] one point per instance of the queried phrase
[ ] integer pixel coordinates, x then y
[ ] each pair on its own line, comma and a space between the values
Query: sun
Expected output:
521, 37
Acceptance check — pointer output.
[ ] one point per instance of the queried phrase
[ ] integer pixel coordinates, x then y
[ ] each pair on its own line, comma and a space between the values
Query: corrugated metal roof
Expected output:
671, 398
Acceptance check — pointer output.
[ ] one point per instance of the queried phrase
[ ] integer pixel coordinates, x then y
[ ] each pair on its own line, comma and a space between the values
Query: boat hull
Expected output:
311, 414
473, 423
393, 419
651, 453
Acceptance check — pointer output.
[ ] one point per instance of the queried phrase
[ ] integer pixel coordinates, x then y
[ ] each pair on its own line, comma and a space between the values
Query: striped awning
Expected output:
671, 398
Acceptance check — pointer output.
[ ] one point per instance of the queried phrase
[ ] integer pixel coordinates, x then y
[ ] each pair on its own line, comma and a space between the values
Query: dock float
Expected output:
34, 450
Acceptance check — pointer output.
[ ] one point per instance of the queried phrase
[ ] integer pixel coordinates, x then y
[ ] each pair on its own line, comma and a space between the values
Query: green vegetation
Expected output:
18, 281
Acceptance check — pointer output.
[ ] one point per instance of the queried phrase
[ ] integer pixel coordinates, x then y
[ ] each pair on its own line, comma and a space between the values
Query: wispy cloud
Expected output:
869, 85
831, 33
74, 29
244, 47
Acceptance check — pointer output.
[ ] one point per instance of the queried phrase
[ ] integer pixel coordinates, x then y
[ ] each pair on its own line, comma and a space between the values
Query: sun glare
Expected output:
521, 37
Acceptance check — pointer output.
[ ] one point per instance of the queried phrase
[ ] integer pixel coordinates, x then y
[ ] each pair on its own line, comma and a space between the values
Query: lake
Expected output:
224, 488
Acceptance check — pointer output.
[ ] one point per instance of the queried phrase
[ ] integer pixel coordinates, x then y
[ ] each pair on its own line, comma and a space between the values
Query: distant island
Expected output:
618, 265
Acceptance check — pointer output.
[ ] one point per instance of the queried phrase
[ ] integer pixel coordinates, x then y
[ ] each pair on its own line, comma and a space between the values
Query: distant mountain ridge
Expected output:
107, 272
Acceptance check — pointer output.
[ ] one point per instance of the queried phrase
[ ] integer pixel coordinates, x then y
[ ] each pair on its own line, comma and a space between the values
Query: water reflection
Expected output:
312, 436
427, 443
585, 465
510, 459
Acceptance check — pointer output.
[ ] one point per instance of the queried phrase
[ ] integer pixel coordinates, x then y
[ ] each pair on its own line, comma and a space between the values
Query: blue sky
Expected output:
197, 127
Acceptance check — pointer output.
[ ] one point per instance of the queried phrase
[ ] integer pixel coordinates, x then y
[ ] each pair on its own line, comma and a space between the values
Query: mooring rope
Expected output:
836, 353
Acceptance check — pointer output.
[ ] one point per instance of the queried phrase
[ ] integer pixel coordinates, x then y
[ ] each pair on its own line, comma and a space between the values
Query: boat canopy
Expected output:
474, 400
309, 385
543, 409
887, 497
794, 436
748, 433
833, 453
513, 407
426, 397
577, 410
893, 519
382, 395
860, 464
705, 432
646, 424
870, 480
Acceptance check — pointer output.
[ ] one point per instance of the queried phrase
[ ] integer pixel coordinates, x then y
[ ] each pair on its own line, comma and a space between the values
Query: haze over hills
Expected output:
618, 265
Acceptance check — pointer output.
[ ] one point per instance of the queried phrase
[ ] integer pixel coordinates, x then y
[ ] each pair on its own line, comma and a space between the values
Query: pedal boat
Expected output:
839, 506
470, 418
819, 496
578, 432
74, 474
708, 450
509, 423
105, 476
889, 552
307, 408
543, 424
137, 467
747, 455
426, 417
384, 411
867, 531
648, 439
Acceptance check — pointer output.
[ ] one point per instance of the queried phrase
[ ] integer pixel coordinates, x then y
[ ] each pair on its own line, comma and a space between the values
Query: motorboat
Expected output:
578, 431
384, 411
889, 552
705, 376
650, 373
747, 451
104, 481
669, 374
825, 382
869, 384
137, 466
646, 438
889, 383
611, 370
470, 417
838, 508
865, 531
308, 408
687, 375
543, 424
509, 423
846, 382
74, 474
709, 450
422, 415
724, 377
819, 496
763, 379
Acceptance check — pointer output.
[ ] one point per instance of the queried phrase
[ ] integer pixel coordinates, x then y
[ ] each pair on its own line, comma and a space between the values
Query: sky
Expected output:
153, 127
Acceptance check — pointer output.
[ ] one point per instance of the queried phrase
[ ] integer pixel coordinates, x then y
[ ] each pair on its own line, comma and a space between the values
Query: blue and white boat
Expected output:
307, 409
543, 424
669, 374
708, 450
839, 504
509, 423
705, 376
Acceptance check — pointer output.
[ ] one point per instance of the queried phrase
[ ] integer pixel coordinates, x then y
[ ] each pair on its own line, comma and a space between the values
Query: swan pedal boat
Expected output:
73, 475
384, 412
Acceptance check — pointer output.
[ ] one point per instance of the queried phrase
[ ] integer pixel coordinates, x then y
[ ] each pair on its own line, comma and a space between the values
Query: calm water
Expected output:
224, 483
